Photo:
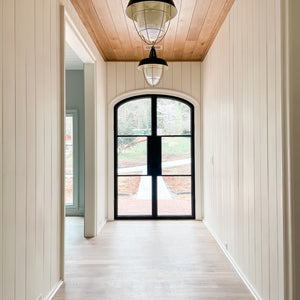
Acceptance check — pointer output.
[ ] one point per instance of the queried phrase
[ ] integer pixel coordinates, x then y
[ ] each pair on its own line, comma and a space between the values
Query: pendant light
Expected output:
153, 68
151, 18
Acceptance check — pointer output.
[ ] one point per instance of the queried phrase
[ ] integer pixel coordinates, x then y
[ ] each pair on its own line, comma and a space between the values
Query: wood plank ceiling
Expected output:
189, 38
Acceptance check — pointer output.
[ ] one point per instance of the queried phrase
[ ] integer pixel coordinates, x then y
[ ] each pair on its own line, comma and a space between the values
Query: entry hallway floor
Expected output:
141, 260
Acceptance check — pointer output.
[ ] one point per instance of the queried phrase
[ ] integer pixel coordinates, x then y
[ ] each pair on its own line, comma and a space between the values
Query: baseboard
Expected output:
233, 262
54, 290
101, 225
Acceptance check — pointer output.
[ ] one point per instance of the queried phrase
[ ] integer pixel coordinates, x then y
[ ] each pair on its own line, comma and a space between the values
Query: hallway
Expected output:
147, 260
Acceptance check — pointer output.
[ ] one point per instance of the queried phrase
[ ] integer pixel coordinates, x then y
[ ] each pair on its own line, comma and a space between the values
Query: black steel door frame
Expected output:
154, 159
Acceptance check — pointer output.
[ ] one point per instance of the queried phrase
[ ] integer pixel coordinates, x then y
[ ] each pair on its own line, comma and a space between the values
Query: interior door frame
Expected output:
70, 33
154, 215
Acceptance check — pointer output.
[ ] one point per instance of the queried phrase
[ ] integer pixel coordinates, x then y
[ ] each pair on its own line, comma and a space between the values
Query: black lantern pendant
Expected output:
153, 68
151, 18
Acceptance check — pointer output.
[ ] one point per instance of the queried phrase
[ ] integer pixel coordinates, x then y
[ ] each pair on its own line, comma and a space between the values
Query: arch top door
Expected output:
154, 158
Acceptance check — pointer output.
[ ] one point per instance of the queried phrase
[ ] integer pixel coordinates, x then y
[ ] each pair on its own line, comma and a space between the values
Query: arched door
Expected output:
154, 158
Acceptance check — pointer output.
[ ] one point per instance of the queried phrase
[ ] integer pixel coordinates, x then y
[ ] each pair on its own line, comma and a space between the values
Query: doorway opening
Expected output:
154, 158
78, 205
74, 134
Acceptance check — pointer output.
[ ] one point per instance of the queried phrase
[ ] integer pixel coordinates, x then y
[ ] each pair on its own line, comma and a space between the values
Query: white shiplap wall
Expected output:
30, 124
242, 142
292, 146
30, 145
123, 77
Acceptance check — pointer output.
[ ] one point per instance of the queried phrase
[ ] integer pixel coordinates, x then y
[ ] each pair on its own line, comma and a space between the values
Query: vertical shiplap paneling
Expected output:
1, 143
177, 76
180, 76
229, 140
40, 142
30, 152
186, 78
234, 249
21, 138
271, 60
101, 133
195, 79
129, 76
111, 80
47, 142
232, 142
251, 161
9, 150
59, 267
279, 142
121, 78
257, 154
55, 150
263, 149
247, 77
240, 198
227, 107
244, 135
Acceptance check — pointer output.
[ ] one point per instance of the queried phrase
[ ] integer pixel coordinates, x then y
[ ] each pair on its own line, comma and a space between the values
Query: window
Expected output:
71, 163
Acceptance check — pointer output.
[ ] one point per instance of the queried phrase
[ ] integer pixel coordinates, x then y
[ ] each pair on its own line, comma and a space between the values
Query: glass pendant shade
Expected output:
151, 18
153, 68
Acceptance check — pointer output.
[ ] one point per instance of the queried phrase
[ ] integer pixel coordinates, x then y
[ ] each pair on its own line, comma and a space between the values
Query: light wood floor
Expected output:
147, 260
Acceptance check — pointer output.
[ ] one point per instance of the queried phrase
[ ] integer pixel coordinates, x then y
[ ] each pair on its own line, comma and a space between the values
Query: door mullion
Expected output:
154, 155
154, 167
154, 158
154, 196
153, 117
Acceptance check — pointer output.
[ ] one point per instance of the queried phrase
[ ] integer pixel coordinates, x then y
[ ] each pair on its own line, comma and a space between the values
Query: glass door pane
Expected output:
173, 117
134, 187
132, 155
174, 196
134, 117
176, 156
134, 196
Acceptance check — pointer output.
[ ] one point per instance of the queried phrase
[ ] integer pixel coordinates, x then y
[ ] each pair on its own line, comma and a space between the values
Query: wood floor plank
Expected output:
147, 260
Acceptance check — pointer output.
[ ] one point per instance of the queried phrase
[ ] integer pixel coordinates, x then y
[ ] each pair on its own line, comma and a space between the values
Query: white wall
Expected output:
101, 145
123, 77
242, 142
30, 145
30, 148
292, 44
